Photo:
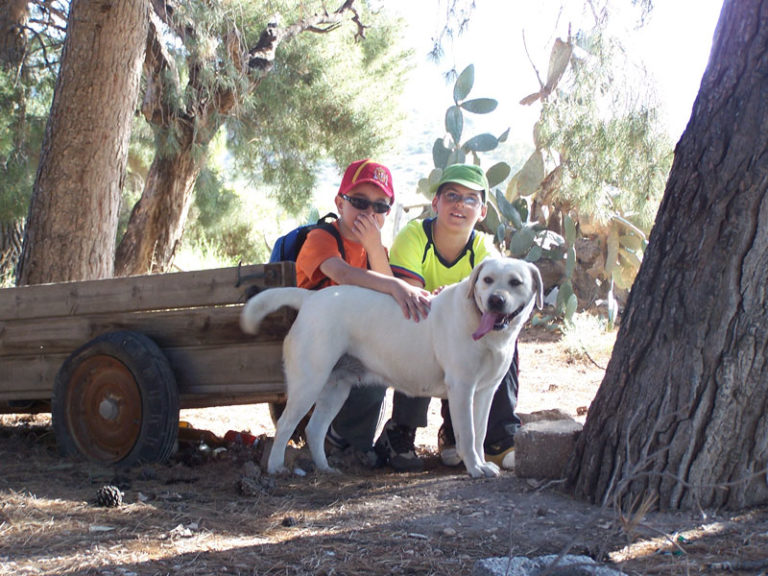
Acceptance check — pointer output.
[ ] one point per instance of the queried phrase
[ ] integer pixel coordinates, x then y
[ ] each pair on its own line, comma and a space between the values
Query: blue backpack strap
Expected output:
324, 223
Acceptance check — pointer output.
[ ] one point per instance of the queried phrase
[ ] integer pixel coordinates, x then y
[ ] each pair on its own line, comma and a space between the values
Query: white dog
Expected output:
347, 335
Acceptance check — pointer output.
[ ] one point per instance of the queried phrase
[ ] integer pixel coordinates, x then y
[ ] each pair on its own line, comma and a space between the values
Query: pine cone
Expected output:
109, 496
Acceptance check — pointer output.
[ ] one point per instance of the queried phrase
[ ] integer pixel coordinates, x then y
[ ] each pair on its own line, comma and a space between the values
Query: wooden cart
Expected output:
114, 360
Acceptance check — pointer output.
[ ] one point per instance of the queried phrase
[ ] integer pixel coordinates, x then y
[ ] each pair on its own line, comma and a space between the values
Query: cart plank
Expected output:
236, 373
178, 328
135, 293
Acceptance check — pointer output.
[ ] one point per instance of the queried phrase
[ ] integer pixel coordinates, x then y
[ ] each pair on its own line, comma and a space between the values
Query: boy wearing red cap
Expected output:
364, 199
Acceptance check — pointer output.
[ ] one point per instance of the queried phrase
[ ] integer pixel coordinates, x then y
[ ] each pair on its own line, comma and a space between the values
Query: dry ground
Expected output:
207, 513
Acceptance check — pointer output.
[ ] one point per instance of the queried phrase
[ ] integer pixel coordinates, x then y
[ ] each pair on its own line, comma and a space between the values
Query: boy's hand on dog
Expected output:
414, 301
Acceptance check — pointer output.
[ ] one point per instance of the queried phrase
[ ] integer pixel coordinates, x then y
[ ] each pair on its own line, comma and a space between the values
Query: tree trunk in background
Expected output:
11, 234
72, 218
682, 414
157, 220
13, 35
13, 45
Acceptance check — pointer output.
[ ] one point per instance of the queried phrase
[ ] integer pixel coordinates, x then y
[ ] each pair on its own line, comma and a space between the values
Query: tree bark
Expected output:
72, 220
157, 220
11, 234
13, 34
682, 414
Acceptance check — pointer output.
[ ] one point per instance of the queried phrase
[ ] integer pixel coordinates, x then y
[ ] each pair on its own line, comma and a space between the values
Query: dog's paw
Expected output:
484, 470
280, 470
490, 470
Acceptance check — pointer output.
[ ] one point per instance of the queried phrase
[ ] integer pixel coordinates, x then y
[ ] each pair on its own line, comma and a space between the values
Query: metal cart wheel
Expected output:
115, 401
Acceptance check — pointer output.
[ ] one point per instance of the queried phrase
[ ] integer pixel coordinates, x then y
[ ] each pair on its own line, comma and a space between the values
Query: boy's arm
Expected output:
413, 300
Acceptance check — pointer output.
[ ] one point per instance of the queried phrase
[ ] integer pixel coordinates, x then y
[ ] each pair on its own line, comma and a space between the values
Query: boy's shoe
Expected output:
503, 454
446, 446
369, 458
396, 446
335, 443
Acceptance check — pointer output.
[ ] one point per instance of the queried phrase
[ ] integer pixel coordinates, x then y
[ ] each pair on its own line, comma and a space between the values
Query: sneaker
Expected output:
446, 446
503, 455
369, 458
334, 441
396, 446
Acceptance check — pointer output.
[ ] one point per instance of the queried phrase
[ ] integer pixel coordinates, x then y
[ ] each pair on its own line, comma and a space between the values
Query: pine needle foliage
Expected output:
329, 96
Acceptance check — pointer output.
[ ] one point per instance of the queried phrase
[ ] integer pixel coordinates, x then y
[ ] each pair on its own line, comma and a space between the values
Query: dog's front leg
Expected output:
481, 411
460, 403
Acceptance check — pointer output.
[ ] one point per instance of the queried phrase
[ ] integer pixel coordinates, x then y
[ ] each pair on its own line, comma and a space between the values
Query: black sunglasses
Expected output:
364, 203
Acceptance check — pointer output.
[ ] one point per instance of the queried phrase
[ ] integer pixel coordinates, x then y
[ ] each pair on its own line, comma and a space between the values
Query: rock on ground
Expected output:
569, 565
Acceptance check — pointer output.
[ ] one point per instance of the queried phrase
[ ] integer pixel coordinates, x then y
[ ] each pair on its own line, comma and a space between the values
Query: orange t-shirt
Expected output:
318, 247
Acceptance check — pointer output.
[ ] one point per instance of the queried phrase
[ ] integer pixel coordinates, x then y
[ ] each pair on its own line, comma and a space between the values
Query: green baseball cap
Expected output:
467, 175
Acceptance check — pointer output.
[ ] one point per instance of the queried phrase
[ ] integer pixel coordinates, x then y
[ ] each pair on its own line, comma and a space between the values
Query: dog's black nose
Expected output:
496, 302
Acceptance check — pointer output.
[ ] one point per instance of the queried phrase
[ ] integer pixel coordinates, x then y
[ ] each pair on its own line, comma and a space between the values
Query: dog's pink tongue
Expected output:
486, 325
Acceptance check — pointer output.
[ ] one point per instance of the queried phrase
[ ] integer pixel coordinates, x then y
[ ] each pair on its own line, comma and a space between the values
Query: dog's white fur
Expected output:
347, 335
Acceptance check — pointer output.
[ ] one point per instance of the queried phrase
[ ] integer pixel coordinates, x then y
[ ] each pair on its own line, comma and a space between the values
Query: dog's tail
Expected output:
267, 302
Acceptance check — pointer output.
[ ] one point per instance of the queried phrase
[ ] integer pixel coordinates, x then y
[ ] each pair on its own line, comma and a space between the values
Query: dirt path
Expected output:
206, 513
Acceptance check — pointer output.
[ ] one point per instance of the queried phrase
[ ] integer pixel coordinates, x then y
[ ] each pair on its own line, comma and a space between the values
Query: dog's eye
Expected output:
514, 282
488, 279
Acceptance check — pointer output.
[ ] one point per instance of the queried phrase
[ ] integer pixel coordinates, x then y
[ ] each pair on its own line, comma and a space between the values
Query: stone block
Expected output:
542, 448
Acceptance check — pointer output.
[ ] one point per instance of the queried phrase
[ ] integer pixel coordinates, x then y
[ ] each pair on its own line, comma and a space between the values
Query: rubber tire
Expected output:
127, 376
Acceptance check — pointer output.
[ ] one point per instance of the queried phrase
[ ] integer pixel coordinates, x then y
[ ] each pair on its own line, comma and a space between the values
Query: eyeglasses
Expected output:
363, 204
468, 201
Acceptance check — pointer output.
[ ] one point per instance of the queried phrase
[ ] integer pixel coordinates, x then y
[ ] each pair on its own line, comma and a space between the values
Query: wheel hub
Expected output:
104, 408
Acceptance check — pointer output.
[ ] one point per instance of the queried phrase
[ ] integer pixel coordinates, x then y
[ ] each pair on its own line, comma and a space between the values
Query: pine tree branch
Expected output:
160, 68
262, 56
203, 102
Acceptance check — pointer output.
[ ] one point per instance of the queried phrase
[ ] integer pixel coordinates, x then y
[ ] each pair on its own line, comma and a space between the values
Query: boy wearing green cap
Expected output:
431, 254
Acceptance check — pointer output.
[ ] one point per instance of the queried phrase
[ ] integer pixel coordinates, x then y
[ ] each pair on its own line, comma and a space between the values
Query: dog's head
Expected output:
504, 290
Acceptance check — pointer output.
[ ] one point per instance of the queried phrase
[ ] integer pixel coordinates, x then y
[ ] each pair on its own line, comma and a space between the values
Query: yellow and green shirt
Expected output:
413, 256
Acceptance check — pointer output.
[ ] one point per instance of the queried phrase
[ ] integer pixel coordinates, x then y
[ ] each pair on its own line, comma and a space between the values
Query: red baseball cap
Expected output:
367, 171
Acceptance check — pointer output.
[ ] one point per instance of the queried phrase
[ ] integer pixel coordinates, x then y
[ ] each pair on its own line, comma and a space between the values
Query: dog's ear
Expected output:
538, 285
473, 279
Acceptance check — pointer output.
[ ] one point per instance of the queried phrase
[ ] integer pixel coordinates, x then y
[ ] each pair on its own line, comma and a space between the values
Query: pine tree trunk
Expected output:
682, 414
13, 34
70, 232
11, 234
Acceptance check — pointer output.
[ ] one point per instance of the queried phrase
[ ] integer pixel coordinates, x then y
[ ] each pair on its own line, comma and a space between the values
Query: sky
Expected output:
674, 44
